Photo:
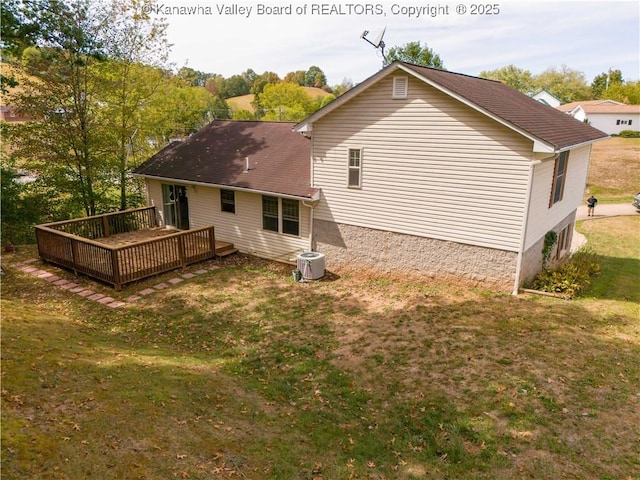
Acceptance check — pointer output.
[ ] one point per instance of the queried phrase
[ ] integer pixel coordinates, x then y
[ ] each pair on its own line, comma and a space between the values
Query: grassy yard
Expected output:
242, 373
614, 172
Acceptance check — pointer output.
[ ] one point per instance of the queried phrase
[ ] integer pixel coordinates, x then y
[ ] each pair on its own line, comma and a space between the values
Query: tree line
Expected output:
569, 85
94, 79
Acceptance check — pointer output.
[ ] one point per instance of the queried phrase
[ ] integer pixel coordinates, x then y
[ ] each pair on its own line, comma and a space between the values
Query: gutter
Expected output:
314, 197
525, 222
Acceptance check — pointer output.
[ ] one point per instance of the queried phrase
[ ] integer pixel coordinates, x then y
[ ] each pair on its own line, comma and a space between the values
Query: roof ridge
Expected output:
409, 64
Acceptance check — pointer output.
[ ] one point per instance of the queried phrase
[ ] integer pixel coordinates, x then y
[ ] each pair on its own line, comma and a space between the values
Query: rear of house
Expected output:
415, 169
440, 173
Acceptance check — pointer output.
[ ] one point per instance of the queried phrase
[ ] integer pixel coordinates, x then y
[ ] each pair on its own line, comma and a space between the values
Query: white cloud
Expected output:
587, 36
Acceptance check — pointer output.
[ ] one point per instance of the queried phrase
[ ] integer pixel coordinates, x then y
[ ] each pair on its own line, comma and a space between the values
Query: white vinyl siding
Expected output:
244, 229
434, 168
541, 217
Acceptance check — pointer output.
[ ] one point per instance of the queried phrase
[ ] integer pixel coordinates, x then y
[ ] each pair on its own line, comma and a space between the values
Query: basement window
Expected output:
564, 241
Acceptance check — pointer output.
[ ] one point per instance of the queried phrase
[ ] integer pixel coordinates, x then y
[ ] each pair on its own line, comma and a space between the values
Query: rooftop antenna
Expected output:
378, 43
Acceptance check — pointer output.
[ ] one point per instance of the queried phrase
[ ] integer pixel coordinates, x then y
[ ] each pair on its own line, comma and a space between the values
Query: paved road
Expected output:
606, 210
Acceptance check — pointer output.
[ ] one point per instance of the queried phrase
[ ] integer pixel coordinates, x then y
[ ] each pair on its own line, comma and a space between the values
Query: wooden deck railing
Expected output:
73, 244
100, 226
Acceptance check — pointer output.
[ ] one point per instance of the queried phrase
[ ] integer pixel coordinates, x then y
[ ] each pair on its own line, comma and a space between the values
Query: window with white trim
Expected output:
228, 201
354, 174
290, 216
559, 178
281, 215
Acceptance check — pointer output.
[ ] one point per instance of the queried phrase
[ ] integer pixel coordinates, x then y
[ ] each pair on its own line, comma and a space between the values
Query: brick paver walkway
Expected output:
27, 266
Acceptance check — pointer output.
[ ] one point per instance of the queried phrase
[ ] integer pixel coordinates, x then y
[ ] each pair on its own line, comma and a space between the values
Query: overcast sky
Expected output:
230, 37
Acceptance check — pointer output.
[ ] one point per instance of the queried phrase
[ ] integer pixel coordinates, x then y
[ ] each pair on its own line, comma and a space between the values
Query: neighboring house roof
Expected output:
550, 129
278, 158
600, 106
547, 98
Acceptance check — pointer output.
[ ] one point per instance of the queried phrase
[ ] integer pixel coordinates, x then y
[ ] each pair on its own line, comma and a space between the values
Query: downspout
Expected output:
525, 222
310, 224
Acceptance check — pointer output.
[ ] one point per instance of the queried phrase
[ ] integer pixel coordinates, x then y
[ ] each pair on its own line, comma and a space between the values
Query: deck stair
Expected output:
224, 249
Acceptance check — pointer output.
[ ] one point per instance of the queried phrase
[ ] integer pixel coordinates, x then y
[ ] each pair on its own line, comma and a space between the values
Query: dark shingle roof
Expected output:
522, 112
514, 109
279, 159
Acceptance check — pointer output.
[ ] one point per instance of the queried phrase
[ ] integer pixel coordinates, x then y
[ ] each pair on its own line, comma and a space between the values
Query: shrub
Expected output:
629, 134
572, 277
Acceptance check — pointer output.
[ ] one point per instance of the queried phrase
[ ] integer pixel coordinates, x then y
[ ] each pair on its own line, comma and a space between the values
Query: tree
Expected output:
134, 39
215, 85
16, 34
263, 80
297, 77
515, 77
193, 78
235, 86
343, 87
315, 77
414, 52
627, 92
602, 82
61, 89
86, 85
566, 84
285, 102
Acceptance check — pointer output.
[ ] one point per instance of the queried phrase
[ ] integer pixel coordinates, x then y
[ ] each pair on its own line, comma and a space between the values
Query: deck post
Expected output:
212, 240
115, 268
105, 226
181, 251
74, 254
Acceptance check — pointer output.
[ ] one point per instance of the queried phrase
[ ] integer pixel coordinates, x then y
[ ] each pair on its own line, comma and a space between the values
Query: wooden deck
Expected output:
123, 247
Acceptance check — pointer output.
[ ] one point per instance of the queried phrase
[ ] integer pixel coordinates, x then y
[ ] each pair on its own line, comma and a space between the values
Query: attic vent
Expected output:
400, 87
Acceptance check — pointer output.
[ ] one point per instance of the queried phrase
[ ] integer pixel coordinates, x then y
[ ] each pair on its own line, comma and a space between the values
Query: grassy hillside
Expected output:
614, 172
242, 373
243, 102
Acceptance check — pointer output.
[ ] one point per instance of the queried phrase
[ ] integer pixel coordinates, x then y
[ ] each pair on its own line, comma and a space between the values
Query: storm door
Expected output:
176, 206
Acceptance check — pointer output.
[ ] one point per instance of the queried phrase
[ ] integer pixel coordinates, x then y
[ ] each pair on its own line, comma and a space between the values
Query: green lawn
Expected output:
242, 373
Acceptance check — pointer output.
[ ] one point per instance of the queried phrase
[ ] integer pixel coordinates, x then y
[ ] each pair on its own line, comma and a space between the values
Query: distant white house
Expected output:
548, 99
608, 116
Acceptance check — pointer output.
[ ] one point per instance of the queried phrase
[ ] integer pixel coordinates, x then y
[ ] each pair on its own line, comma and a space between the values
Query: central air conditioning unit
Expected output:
311, 265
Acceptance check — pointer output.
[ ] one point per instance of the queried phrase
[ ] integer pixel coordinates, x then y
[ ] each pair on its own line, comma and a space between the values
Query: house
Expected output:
547, 98
250, 179
607, 115
415, 169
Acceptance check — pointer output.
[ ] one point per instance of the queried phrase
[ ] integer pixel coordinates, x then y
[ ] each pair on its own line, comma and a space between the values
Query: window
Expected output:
270, 213
564, 241
400, 87
355, 168
228, 201
281, 215
559, 176
290, 217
